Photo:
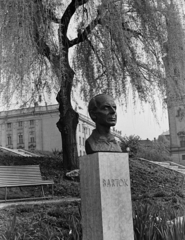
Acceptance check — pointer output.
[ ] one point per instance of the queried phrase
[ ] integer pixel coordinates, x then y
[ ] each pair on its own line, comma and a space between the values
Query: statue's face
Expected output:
106, 113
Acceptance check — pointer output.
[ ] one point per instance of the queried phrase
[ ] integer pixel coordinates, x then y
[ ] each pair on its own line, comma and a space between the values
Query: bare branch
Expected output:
70, 10
83, 35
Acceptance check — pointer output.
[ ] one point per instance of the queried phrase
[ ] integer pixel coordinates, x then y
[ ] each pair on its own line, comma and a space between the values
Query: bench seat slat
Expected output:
19, 176
9, 168
20, 171
27, 168
25, 180
20, 166
26, 184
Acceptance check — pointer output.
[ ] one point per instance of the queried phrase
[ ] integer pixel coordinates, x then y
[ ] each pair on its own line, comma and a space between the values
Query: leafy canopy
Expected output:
122, 46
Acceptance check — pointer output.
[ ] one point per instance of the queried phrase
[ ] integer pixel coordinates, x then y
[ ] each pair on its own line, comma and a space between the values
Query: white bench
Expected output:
22, 176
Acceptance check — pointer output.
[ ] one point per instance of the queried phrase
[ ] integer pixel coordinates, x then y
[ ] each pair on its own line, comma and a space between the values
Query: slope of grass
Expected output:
156, 191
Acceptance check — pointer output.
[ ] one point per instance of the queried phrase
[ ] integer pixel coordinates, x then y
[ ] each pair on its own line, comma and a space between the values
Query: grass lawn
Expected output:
46, 221
151, 186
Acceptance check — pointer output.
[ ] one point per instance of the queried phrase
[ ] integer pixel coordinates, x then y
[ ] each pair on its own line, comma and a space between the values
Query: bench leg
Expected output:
52, 190
5, 193
43, 191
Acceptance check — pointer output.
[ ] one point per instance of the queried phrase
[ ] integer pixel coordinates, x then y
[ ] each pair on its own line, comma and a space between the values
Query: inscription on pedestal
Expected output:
115, 182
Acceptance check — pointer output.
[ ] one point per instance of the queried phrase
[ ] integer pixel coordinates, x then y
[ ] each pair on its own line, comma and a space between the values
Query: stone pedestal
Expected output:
106, 197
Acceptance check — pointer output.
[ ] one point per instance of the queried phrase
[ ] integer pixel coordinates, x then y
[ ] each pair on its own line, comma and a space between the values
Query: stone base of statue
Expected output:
106, 197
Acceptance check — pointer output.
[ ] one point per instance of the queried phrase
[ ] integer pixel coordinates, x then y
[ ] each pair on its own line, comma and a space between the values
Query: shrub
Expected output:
156, 152
58, 222
132, 142
156, 223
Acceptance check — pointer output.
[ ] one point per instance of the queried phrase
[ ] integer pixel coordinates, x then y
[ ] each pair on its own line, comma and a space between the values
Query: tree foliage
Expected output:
158, 152
125, 50
25, 70
121, 47
116, 45
130, 144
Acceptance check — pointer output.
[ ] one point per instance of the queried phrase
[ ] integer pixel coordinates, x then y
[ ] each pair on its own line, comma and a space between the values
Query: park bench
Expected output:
22, 176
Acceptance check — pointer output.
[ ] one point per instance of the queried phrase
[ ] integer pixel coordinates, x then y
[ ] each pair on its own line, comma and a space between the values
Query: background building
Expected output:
176, 112
166, 134
146, 143
35, 128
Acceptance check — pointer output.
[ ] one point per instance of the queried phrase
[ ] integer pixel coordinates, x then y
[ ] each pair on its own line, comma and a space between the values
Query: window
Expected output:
9, 125
31, 132
79, 140
9, 138
20, 138
20, 124
83, 142
182, 141
79, 128
31, 122
183, 157
80, 153
32, 139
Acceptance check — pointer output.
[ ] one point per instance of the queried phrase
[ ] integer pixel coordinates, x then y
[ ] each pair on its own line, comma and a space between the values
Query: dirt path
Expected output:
61, 200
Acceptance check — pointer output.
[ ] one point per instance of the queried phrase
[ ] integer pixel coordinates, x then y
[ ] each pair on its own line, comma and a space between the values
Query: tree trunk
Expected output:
68, 121
67, 125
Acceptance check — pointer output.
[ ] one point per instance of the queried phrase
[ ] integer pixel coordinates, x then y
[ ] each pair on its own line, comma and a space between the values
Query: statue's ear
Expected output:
92, 115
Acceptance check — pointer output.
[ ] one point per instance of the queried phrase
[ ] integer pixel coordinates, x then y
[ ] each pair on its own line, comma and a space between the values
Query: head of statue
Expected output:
102, 110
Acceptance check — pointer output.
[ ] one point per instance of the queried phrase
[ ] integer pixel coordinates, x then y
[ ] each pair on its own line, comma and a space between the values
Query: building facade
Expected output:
35, 128
174, 61
176, 115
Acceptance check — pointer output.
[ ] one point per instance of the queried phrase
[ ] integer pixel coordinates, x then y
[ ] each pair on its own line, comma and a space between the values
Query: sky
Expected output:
142, 122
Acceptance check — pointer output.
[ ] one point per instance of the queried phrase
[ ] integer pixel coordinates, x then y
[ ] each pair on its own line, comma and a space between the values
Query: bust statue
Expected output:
102, 110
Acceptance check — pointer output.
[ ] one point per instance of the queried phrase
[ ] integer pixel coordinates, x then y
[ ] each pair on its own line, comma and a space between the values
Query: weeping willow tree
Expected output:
114, 45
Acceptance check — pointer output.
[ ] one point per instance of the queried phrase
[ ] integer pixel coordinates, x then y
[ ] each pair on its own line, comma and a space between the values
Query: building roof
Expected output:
166, 133
146, 142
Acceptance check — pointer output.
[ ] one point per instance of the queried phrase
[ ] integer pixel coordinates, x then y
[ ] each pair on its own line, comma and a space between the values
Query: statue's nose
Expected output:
113, 110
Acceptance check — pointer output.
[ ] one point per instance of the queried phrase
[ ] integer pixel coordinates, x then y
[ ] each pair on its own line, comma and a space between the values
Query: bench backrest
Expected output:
27, 173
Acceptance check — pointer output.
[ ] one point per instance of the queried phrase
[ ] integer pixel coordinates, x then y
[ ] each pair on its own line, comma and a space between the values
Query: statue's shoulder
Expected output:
91, 142
92, 139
